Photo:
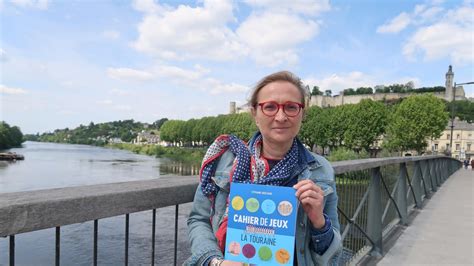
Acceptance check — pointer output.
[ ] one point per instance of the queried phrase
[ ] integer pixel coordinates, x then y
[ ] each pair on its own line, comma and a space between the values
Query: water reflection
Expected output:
50, 165
179, 168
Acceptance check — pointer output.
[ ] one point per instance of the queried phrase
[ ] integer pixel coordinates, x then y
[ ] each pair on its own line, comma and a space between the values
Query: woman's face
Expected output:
280, 128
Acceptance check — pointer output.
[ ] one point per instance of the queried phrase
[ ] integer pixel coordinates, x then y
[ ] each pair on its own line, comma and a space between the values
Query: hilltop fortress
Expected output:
341, 99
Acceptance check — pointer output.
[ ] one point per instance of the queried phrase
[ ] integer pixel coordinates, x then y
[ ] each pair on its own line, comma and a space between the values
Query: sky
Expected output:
66, 63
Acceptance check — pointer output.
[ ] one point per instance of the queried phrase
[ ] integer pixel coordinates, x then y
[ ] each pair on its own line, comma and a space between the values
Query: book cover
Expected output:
261, 224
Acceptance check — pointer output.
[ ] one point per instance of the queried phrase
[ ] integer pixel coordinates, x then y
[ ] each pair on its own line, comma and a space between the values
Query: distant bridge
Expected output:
379, 201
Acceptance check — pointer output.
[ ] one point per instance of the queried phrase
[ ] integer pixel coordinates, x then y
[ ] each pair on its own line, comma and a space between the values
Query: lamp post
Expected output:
452, 114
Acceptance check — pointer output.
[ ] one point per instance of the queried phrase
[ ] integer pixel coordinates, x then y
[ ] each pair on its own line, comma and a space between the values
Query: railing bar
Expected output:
390, 196
387, 206
356, 225
430, 176
346, 230
349, 192
354, 206
423, 181
411, 187
176, 235
127, 234
96, 229
153, 233
12, 250
350, 183
361, 205
58, 246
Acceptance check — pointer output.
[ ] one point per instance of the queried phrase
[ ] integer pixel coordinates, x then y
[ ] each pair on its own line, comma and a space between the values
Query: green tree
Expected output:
241, 125
366, 123
417, 119
463, 109
308, 134
364, 90
349, 91
10, 136
158, 123
337, 124
316, 91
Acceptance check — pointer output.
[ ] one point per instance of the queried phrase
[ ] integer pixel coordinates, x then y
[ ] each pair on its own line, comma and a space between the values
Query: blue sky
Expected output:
65, 63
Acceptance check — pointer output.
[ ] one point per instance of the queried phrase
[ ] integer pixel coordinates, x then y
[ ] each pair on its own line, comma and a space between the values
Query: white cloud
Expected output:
272, 38
40, 4
396, 25
430, 14
270, 35
177, 73
218, 87
129, 74
307, 7
449, 37
339, 82
111, 34
3, 55
195, 78
105, 102
119, 92
9, 90
111, 105
438, 33
186, 32
147, 6
123, 107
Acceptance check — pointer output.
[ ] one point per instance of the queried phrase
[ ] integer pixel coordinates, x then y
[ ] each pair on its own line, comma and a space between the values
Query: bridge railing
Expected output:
376, 196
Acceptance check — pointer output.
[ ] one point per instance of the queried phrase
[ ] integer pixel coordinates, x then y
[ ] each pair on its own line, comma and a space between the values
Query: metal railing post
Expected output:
416, 184
437, 167
425, 177
402, 194
58, 246
374, 219
12, 250
444, 175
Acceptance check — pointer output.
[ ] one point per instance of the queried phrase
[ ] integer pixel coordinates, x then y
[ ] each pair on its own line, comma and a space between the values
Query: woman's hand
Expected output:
312, 198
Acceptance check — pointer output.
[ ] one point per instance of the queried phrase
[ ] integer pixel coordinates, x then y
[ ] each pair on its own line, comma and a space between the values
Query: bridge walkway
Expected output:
443, 232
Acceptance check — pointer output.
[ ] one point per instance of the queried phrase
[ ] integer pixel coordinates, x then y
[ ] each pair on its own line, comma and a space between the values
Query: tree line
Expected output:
97, 134
363, 126
394, 88
10, 136
366, 126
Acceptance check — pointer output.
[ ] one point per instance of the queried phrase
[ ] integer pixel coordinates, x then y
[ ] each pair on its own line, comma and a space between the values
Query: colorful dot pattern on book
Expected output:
261, 225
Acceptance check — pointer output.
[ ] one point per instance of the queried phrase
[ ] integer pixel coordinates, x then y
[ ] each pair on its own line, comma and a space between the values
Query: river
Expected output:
51, 165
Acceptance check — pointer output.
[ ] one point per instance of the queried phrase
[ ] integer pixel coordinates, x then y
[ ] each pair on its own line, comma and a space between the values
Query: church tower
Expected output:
449, 94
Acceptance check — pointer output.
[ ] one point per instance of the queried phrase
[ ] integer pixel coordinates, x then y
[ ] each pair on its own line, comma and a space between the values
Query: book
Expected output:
261, 224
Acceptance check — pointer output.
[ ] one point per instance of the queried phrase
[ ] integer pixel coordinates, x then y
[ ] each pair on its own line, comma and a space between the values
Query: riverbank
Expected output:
188, 155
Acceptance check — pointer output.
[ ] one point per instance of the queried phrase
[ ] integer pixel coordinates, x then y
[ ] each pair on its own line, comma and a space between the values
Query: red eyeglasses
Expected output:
271, 108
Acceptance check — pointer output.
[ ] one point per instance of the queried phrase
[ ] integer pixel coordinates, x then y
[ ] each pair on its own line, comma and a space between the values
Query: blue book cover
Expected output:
261, 224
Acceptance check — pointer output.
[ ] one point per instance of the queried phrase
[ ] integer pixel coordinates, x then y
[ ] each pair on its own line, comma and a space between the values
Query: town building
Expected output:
149, 137
463, 141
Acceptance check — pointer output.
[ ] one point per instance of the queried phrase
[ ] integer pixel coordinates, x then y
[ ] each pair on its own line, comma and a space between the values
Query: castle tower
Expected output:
449, 94
232, 108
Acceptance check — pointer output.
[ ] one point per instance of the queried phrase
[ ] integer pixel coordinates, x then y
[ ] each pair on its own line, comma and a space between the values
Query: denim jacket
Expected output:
202, 228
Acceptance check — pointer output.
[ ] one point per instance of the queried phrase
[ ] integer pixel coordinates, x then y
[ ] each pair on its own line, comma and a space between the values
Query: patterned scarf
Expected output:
248, 167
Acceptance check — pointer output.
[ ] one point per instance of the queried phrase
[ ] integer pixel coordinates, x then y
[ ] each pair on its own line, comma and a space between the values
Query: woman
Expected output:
274, 156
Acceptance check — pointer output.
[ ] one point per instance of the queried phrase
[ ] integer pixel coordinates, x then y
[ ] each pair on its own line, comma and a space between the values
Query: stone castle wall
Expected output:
330, 101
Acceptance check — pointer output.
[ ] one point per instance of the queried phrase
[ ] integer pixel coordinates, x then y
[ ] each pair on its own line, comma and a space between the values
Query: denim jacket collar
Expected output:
306, 160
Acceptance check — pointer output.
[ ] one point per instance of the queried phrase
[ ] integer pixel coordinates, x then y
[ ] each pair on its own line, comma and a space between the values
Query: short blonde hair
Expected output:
279, 76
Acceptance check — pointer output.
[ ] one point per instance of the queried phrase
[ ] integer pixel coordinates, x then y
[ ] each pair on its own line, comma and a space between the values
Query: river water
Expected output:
50, 165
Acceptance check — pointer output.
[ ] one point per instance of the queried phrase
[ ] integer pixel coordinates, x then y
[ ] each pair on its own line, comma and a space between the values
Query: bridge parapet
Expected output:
376, 198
